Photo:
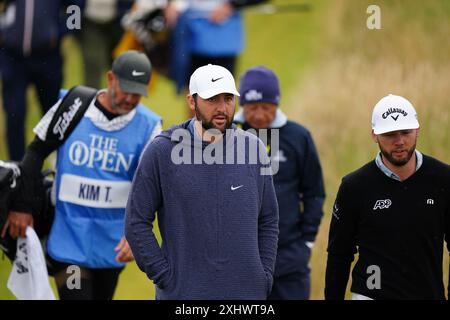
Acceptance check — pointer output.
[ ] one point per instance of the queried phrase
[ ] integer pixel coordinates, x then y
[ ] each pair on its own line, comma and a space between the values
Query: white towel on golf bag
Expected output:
29, 279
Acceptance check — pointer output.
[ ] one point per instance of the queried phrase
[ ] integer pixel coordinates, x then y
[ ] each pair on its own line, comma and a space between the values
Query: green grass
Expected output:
332, 71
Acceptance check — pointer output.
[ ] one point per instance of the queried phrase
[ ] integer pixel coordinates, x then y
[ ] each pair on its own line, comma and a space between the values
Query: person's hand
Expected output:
171, 14
17, 223
221, 13
124, 251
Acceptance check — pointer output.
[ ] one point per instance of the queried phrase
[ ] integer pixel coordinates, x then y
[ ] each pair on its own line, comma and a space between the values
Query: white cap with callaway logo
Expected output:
393, 113
211, 80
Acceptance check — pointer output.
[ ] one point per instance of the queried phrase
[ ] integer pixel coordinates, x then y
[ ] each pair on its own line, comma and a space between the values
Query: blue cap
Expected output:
259, 84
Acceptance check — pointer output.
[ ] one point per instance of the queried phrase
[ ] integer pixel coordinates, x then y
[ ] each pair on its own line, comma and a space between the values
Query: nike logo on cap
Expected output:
137, 74
214, 80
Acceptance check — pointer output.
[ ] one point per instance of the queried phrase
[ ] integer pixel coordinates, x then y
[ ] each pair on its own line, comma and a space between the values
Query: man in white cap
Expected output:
395, 212
218, 220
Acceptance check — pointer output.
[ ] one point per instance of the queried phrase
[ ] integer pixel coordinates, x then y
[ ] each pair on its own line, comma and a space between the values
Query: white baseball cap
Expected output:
211, 80
393, 113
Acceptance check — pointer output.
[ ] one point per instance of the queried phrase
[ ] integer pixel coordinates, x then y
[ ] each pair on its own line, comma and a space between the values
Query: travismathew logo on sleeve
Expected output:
335, 211
66, 118
394, 110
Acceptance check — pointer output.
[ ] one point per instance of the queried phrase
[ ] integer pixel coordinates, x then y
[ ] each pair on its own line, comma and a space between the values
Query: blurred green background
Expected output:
332, 70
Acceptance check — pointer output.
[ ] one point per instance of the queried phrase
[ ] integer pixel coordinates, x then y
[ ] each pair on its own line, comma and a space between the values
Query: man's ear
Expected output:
417, 132
374, 137
191, 102
110, 78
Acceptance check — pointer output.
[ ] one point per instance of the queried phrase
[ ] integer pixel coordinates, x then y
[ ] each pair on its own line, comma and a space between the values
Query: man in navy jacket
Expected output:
30, 37
298, 182
218, 216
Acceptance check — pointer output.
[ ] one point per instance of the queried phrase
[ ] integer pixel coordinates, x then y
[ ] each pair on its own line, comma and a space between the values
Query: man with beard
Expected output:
95, 166
395, 212
218, 220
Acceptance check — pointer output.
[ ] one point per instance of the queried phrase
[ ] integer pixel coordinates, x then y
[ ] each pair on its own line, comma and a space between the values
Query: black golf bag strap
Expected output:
69, 113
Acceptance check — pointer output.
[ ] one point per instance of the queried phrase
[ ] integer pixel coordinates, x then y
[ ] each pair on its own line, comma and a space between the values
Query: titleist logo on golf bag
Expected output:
64, 120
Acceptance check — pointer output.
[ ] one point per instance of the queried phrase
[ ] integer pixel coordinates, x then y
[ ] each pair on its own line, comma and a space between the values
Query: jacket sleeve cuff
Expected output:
162, 279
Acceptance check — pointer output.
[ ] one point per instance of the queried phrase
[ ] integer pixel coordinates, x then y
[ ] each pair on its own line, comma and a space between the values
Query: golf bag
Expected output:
149, 27
43, 209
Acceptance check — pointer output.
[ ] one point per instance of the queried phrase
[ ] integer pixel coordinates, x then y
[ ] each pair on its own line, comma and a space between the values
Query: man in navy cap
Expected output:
298, 183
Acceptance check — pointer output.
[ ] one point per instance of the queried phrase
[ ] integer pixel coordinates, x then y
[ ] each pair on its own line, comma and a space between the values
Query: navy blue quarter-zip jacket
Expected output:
218, 222
299, 188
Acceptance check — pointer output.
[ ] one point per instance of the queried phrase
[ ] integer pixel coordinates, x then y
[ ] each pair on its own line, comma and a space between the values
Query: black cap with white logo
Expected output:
133, 69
